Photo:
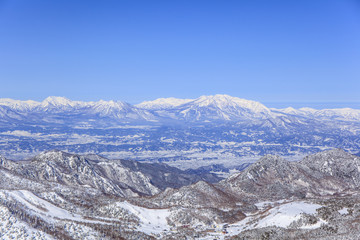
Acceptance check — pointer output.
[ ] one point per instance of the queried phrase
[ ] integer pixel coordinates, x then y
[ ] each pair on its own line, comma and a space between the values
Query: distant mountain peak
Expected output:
226, 101
289, 110
119, 109
112, 104
223, 107
163, 103
56, 101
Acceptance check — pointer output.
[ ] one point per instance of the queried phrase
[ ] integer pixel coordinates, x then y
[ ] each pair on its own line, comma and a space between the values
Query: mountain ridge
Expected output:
122, 178
225, 106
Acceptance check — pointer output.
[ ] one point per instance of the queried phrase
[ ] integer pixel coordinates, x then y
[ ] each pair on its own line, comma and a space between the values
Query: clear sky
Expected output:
269, 51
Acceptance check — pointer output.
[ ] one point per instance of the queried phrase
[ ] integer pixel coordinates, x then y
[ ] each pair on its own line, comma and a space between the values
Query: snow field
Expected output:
153, 220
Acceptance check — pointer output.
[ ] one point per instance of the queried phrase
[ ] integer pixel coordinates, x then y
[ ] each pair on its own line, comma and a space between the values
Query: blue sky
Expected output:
270, 51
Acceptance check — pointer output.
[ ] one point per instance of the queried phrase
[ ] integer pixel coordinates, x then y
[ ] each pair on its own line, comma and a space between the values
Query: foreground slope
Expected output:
271, 194
66, 196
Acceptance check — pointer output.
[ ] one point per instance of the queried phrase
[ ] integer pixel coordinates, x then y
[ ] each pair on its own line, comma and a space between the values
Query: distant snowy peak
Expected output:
288, 110
57, 101
111, 106
118, 109
222, 107
223, 101
59, 104
308, 110
163, 103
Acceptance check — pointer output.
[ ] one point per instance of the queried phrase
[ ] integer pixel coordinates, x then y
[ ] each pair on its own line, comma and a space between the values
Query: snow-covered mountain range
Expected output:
170, 129
62, 105
204, 108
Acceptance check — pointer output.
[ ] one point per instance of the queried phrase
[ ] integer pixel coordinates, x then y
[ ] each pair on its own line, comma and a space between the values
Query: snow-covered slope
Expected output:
7, 115
61, 196
200, 194
12, 227
272, 177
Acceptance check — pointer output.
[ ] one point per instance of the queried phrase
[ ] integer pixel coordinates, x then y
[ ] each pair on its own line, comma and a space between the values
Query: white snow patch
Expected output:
163, 103
49, 211
41, 206
284, 215
343, 211
153, 220
280, 215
